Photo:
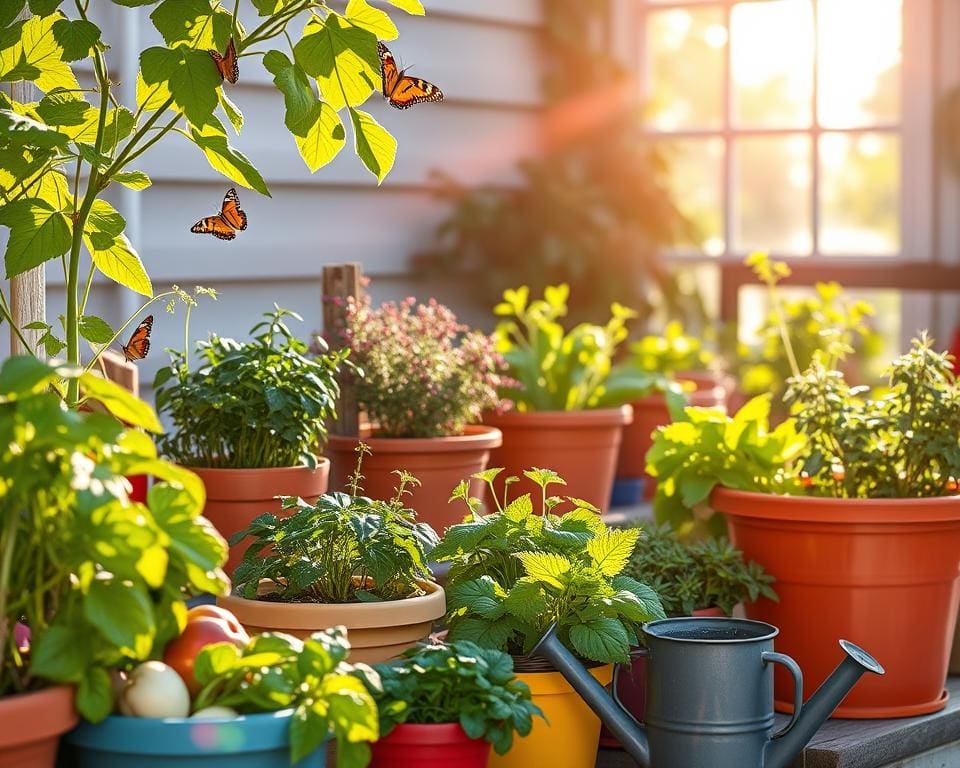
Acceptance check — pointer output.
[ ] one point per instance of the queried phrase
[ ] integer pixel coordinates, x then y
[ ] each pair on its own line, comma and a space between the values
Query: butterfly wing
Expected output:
139, 345
214, 225
231, 212
413, 90
388, 70
228, 64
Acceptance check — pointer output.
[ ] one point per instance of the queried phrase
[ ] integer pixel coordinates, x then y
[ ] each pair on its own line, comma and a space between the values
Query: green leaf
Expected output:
60, 654
104, 223
308, 730
137, 180
605, 640
342, 57
120, 403
268, 7
22, 375
374, 144
324, 139
410, 6
361, 14
545, 566
119, 125
38, 233
121, 263
191, 77
76, 38
122, 614
38, 57
224, 159
43, 7
94, 699
611, 550
9, 10
95, 329
299, 98
481, 596
52, 346
526, 600
192, 22
21, 131
64, 109
234, 115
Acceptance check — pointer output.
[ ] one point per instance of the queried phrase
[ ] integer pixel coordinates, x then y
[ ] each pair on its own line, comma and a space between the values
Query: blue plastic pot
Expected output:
627, 492
251, 741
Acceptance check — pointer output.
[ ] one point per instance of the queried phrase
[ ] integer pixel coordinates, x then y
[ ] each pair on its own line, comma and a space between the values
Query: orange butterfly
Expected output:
401, 89
226, 223
139, 345
228, 64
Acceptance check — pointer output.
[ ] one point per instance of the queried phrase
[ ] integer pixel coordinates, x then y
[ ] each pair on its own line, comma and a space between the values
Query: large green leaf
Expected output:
38, 233
342, 57
43, 7
192, 22
63, 109
268, 7
76, 37
120, 403
545, 566
299, 98
94, 699
120, 262
95, 329
9, 10
38, 57
60, 654
324, 139
191, 77
224, 159
410, 6
22, 375
104, 224
612, 549
119, 125
373, 143
605, 640
361, 14
122, 614
20, 131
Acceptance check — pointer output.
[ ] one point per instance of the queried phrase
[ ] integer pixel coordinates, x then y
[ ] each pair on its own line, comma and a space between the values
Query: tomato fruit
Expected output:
201, 631
216, 612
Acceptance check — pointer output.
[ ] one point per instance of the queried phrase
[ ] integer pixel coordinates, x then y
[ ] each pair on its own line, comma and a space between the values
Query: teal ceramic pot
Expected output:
251, 741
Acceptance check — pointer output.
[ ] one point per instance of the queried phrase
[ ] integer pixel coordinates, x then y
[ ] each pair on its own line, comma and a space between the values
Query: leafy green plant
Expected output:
455, 683
99, 580
277, 671
258, 403
514, 574
673, 352
51, 148
708, 573
555, 370
344, 548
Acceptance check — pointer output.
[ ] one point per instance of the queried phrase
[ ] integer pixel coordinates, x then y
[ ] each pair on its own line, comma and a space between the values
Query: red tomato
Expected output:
200, 631
216, 612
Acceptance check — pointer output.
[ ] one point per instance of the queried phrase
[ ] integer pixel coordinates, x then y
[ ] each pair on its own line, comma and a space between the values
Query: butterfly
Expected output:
401, 89
139, 345
226, 223
227, 64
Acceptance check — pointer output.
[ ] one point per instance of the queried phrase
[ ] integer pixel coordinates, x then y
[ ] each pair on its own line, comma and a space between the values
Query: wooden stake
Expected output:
340, 282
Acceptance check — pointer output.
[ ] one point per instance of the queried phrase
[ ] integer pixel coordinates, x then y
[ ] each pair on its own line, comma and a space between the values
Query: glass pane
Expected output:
685, 49
860, 193
772, 194
859, 64
771, 50
696, 184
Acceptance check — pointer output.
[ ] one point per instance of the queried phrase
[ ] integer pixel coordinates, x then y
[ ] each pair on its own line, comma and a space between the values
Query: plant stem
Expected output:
7, 315
122, 328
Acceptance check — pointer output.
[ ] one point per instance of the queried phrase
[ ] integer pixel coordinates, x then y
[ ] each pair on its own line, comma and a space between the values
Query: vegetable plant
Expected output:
98, 579
275, 671
345, 548
556, 370
63, 155
455, 683
515, 573
258, 403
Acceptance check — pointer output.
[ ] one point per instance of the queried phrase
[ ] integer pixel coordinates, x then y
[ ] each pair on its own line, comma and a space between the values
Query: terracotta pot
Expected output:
439, 745
580, 445
651, 412
377, 631
882, 573
439, 463
31, 725
236, 496
954, 668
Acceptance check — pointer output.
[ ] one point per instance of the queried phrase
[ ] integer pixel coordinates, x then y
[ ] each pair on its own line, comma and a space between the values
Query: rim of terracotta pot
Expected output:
475, 437
49, 713
243, 483
591, 417
394, 613
817, 509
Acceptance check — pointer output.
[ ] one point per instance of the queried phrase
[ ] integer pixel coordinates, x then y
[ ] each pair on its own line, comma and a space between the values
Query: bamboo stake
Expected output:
340, 282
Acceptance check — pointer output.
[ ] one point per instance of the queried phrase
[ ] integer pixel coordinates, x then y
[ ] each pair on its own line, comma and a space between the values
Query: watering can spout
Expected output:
631, 735
783, 748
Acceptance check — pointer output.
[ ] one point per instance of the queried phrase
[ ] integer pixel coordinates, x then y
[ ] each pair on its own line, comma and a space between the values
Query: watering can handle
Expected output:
769, 657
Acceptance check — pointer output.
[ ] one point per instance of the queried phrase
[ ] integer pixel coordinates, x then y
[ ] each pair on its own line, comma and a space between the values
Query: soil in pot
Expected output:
31, 725
429, 746
439, 463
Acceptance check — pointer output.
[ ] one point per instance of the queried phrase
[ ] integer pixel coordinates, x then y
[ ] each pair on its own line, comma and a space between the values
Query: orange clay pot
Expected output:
580, 445
439, 463
31, 725
236, 496
651, 412
882, 573
376, 631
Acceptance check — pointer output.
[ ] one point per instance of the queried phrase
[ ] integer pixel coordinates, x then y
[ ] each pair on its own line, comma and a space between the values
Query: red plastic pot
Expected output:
882, 573
429, 746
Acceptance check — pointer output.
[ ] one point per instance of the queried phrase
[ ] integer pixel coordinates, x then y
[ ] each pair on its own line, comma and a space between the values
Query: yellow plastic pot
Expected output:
569, 736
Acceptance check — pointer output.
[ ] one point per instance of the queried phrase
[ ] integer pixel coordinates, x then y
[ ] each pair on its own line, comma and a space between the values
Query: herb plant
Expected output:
673, 352
344, 548
455, 683
708, 573
99, 580
515, 573
424, 374
277, 671
259, 403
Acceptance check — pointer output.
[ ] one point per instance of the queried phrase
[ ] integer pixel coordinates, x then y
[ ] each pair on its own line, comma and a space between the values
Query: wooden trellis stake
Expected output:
340, 282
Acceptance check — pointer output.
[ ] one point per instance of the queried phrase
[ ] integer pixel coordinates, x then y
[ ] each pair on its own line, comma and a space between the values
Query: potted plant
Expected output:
566, 412
271, 702
247, 420
426, 380
446, 705
515, 573
90, 581
851, 504
345, 560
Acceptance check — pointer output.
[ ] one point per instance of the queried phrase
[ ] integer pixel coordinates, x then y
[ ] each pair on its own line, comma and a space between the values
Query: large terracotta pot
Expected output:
580, 445
440, 745
882, 573
31, 725
236, 496
651, 412
377, 631
439, 463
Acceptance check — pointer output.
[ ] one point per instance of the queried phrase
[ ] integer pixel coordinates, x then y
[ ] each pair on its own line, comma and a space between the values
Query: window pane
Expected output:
772, 194
859, 61
696, 184
772, 61
860, 193
685, 49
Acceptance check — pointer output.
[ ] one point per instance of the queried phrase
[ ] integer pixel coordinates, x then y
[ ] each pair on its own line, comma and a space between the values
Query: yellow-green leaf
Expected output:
410, 6
137, 180
361, 14
343, 58
120, 262
224, 159
192, 22
37, 57
374, 144
38, 233
324, 139
120, 403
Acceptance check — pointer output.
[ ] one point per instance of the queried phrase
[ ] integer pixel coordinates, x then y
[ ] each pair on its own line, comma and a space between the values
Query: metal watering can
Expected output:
710, 695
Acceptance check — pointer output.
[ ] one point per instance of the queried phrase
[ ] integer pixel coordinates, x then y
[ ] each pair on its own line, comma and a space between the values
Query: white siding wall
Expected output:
485, 56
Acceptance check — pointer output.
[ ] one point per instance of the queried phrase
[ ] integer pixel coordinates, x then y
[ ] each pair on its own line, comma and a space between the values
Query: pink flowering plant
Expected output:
424, 374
